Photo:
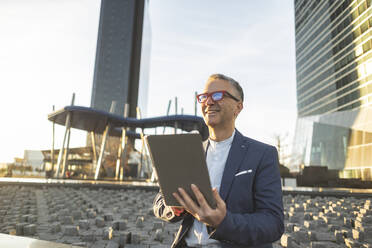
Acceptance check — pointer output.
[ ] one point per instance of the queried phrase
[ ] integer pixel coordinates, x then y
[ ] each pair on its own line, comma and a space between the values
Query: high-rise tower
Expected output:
121, 72
334, 86
122, 57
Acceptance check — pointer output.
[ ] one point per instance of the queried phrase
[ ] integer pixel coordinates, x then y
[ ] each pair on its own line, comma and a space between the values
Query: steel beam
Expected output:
103, 144
102, 151
94, 150
52, 150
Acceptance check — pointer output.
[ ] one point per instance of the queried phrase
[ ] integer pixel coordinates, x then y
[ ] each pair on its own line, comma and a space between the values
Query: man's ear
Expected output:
239, 108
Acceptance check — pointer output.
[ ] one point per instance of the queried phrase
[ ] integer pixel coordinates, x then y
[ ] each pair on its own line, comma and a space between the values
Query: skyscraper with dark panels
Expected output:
122, 57
334, 86
122, 65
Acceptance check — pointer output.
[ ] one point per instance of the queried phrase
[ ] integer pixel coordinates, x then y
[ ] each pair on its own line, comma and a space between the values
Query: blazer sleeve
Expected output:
266, 223
163, 211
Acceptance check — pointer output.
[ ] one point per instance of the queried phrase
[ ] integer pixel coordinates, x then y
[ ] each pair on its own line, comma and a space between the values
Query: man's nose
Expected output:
209, 101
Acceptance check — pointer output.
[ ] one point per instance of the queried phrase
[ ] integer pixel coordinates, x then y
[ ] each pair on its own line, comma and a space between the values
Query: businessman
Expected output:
244, 175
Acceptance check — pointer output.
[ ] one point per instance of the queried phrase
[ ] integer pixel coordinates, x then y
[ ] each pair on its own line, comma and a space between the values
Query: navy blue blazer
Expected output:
251, 189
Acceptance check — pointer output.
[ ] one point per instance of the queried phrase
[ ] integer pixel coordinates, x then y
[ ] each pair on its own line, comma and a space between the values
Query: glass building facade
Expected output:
334, 86
121, 70
122, 65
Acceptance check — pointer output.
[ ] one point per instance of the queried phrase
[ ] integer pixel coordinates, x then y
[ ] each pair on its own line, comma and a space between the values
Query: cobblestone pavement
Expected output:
117, 218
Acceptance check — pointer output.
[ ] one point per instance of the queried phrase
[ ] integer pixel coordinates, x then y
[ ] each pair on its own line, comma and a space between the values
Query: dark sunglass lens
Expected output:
217, 96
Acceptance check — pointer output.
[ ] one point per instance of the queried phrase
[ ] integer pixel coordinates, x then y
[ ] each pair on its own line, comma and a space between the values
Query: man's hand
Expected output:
203, 213
177, 211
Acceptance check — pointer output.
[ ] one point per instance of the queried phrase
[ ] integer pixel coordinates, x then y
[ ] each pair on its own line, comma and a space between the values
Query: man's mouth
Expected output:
211, 111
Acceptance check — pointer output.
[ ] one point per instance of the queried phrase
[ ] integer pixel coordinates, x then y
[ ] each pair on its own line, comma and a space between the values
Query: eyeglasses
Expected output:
216, 96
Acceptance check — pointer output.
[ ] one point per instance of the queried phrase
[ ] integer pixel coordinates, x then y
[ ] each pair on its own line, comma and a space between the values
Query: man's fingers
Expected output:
218, 198
179, 199
190, 205
199, 196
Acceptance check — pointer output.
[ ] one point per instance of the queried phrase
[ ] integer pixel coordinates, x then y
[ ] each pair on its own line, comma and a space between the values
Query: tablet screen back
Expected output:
179, 161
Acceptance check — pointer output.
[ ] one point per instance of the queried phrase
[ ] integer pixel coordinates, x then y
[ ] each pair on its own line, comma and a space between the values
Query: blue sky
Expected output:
48, 51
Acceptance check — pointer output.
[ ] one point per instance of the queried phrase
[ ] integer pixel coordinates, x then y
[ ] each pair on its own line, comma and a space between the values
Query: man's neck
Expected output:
220, 134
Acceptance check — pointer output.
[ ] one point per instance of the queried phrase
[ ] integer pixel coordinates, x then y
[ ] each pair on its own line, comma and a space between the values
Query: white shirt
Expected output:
217, 153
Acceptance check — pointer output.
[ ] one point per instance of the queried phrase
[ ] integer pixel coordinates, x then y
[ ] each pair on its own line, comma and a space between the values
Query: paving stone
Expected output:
55, 227
107, 233
323, 236
308, 216
340, 239
321, 222
366, 211
29, 230
100, 222
348, 222
367, 231
48, 237
116, 209
350, 243
125, 215
299, 228
24, 218
92, 214
88, 236
112, 244
123, 225
320, 244
301, 237
124, 238
64, 212
115, 225
311, 225
108, 217
358, 235
294, 219
32, 219
67, 220
99, 244
158, 225
332, 228
135, 238
33, 211
166, 246
19, 228
82, 244
159, 235
53, 218
285, 240
139, 222
293, 244
77, 215
71, 231
83, 224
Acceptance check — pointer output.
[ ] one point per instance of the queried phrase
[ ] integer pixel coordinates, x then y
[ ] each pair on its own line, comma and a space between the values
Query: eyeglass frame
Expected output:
224, 92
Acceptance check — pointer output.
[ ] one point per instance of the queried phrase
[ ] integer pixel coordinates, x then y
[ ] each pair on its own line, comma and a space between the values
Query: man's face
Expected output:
223, 112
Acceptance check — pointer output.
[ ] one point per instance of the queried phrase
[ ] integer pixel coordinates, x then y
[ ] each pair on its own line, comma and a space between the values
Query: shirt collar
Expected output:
222, 143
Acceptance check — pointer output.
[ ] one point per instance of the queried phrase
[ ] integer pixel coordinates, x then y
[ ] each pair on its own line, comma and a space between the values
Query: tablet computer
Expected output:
179, 161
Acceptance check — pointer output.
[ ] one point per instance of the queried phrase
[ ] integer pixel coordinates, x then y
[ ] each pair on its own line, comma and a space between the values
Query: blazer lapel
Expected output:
234, 159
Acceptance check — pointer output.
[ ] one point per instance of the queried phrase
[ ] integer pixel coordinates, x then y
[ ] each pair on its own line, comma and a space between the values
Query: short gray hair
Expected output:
232, 81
